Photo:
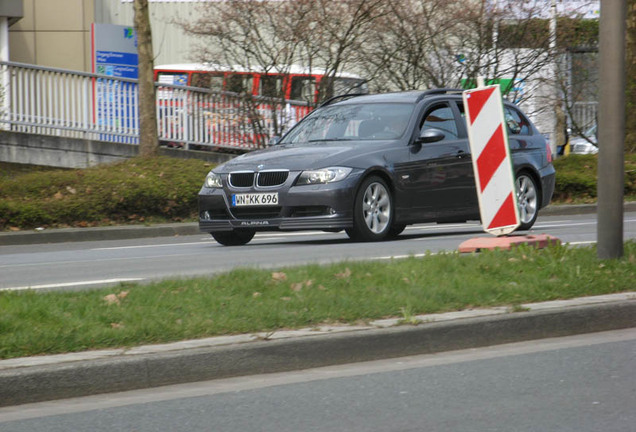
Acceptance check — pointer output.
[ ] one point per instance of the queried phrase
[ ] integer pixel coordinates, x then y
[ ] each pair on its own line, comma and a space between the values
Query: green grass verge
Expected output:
134, 191
249, 300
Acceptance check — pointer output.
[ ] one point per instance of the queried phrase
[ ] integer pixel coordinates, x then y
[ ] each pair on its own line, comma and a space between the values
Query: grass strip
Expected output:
251, 300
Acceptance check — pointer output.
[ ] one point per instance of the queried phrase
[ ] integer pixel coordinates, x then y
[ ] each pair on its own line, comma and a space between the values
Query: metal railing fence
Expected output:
585, 114
50, 101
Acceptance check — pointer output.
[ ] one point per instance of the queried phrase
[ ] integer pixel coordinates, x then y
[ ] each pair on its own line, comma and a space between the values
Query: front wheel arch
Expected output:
528, 199
373, 210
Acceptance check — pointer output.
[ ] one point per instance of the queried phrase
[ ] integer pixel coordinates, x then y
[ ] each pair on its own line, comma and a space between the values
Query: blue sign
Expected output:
115, 55
115, 51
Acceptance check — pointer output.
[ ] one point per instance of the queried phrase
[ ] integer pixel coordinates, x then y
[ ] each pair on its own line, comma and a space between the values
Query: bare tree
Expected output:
245, 33
274, 35
444, 43
148, 135
414, 45
336, 31
397, 45
435, 43
251, 35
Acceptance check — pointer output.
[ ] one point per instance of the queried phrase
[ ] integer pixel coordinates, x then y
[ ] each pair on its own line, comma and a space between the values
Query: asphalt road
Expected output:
577, 383
94, 263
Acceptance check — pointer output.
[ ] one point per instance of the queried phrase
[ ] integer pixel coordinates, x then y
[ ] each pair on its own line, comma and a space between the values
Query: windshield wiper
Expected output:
329, 139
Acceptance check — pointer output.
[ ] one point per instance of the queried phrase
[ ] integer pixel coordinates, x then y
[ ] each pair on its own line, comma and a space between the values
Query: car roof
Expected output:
394, 97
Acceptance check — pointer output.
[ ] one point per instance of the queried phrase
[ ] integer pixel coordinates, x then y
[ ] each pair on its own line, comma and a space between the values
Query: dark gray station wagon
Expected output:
370, 165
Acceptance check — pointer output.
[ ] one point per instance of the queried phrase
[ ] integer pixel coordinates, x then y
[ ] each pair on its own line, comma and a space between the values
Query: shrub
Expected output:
576, 178
136, 190
162, 189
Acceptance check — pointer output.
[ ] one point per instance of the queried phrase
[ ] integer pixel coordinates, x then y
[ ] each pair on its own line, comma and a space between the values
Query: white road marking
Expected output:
560, 225
420, 255
283, 235
72, 284
148, 246
569, 224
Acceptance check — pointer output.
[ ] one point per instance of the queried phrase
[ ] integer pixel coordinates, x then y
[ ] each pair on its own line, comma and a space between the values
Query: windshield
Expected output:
591, 132
352, 122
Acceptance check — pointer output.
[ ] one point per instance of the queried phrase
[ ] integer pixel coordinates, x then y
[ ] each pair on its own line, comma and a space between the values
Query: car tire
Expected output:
396, 230
528, 199
372, 211
233, 238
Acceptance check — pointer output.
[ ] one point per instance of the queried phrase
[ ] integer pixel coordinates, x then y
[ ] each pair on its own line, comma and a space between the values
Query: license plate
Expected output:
255, 199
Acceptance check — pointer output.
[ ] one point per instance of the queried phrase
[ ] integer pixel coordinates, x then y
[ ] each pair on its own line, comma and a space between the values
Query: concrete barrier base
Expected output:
507, 242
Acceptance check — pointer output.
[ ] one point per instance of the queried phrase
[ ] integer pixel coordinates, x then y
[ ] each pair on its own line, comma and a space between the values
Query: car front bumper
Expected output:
324, 207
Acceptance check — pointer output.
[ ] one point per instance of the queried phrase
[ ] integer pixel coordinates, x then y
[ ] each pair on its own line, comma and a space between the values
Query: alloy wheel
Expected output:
527, 200
376, 208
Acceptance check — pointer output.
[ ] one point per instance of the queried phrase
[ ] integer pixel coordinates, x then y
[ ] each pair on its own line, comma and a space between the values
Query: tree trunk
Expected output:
148, 137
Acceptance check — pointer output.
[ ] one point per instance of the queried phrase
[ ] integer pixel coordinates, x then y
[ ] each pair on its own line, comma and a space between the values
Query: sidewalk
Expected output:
32, 379
182, 229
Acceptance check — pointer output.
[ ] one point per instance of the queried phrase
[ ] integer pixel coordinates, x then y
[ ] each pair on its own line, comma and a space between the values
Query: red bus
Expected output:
294, 82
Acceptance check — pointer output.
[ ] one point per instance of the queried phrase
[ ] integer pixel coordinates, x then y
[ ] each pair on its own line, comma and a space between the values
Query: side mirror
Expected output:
273, 140
430, 136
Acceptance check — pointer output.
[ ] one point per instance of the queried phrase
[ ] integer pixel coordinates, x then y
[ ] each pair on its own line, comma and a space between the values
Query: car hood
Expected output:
580, 145
582, 140
296, 158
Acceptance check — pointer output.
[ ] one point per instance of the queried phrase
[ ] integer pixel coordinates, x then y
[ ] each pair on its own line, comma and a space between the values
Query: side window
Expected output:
516, 122
441, 117
201, 80
208, 81
238, 83
216, 82
271, 85
460, 107
303, 88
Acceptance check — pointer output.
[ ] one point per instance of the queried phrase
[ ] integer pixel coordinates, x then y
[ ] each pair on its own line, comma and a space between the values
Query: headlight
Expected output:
325, 175
213, 180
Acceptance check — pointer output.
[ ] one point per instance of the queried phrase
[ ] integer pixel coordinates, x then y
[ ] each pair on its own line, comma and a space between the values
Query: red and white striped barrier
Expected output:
492, 164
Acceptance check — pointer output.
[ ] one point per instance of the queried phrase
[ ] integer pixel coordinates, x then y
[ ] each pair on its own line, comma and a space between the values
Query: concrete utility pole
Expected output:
552, 46
611, 138
148, 135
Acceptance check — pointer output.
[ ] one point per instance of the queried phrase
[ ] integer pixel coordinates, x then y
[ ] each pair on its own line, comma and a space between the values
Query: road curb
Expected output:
97, 234
192, 228
19, 385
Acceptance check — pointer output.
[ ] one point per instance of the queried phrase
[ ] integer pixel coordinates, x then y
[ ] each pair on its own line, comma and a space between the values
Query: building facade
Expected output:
57, 33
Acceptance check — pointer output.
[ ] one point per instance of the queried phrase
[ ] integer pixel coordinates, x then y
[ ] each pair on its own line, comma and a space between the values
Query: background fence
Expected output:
585, 115
49, 101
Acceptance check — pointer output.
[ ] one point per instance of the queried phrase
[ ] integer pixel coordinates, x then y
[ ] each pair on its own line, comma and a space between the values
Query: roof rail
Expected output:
339, 97
439, 91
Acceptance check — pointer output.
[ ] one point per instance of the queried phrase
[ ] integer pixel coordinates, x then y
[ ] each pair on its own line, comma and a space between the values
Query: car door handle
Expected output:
461, 154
